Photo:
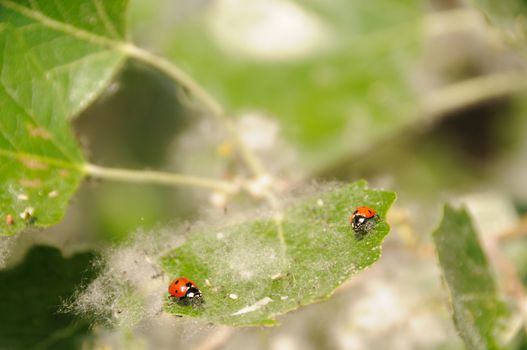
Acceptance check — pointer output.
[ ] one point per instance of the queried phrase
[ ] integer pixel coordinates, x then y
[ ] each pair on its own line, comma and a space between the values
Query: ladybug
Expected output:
363, 219
185, 292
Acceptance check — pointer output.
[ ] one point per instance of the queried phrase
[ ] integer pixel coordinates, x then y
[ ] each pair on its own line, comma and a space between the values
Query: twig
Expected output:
157, 177
217, 110
182, 78
472, 91
437, 105
210, 103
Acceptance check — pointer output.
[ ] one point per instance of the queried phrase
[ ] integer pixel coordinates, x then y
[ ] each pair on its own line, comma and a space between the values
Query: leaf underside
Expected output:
246, 260
473, 293
54, 60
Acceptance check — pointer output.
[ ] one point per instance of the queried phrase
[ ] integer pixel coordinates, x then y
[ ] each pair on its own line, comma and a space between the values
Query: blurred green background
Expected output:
325, 90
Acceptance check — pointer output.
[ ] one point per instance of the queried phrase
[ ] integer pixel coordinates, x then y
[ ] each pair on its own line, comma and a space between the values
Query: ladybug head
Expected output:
363, 219
193, 297
193, 292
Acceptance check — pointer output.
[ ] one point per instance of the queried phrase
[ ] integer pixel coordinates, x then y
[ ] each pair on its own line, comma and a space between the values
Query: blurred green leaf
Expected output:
351, 89
477, 309
31, 295
54, 61
246, 259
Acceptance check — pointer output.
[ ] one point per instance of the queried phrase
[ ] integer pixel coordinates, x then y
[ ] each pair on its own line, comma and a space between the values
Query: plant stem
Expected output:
211, 104
176, 74
473, 91
186, 81
156, 177
439, 103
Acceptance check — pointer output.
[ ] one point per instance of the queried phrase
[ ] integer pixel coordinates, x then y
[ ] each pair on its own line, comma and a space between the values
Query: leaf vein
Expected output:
60, 26
30, 116
103, 15
84, 59
47, 160
29, 113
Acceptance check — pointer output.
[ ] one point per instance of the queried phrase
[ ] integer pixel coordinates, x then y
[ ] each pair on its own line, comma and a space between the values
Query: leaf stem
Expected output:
176, 74
157, 177
181, 77
212, 105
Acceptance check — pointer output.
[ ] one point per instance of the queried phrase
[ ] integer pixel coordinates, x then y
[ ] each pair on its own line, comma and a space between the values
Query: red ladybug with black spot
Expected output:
363, 219
185, 292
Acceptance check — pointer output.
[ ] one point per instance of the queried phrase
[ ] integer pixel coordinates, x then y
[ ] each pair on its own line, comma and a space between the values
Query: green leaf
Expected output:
339, 98
31, 295
55, 58
247, 260
473, 293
